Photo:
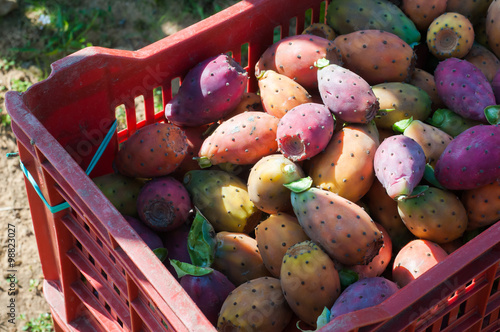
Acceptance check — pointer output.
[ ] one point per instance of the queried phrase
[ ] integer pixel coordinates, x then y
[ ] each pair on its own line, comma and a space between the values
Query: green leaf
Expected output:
299, 185
183, 269
347, 277
321, 321
321, 63
417, 191
161, 253
201, 241
492, 114
203, 162
401, 125
430, 177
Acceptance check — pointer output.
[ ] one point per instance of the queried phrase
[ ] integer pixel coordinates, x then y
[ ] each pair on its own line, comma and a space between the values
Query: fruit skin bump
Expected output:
450, 35
257, 305
309, 280
210, 90
471, 159
342, 228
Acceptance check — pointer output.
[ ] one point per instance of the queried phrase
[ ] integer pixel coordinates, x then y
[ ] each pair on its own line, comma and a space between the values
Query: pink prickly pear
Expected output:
346, 93
305, 131
464, 88
364, 293
163, 204
209, 91
241, 140
471, 159
399, 165
154, 150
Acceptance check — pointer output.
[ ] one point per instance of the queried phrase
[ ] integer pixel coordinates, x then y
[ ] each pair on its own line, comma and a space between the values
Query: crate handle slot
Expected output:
93, 162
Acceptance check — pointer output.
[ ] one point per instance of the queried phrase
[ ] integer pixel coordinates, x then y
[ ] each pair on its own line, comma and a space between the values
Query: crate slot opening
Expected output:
277, 33
461, 309
444, 321
175, 85
244, 55
158, 99
121, 117
86, 226
292, 27
91, 259
79, 245
140, 108
112, 258
107, 307
104, 274
96, 294
486, 321
118, 320
99, 242
83, 279
494, 287
116, 289
165, 325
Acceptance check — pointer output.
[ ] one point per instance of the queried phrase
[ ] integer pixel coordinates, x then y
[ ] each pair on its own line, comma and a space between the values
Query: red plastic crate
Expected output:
99, 275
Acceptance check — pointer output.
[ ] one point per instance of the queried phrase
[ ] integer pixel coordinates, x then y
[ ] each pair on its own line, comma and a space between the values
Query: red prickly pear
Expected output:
380, 262
163, 204
274, 236
209, 91
414, 259
257, 305
399, 165
309, 280
423, 12
152, 151
434, 214
294, 57
346, 165
280, 93
484, 59
464, 88
208, 291
396, 64
471, 160
342, 228
241, 140
345, 93
266, 180
482, 205
364, 293
450, 35
321, 30
305, 131
238, 257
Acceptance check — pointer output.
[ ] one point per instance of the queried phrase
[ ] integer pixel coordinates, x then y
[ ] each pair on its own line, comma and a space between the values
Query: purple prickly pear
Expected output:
154, 150
362, 294
495, 84
464, 88
471, 159
208, 291
305, 131
176, 243
163, 204
209, 91
256, 305
345, 93
399, 165
150, 237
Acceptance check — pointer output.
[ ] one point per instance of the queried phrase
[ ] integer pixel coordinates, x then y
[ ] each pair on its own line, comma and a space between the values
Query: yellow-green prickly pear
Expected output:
223, 199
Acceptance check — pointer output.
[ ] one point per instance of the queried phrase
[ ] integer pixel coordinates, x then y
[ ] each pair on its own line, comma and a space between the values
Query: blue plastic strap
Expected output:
93, 162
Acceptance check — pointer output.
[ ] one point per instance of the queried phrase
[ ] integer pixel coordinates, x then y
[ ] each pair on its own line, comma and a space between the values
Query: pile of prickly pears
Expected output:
368, 154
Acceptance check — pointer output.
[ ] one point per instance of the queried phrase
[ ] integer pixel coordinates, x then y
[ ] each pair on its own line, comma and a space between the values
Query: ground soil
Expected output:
129, 27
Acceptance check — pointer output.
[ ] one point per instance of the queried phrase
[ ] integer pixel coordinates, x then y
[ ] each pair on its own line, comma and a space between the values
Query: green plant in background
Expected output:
42, 323
19, 85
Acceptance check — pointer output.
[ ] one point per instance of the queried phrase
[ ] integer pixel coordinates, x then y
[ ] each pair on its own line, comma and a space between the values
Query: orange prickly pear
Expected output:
384, 210
309, 280
433, 214
279, 93
241, 140
484, 59
250, 102
395, 61
482, 205
321, 30
432, 140
400, 101
423, 12
342, 228
238, 258
415, 258
425, 81
266, 179
294, 57
274, 236
345, 167
474, 10
450, 35
257, 305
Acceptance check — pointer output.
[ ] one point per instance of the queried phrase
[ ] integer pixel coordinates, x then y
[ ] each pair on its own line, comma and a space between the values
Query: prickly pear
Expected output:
121, 191
482, 205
